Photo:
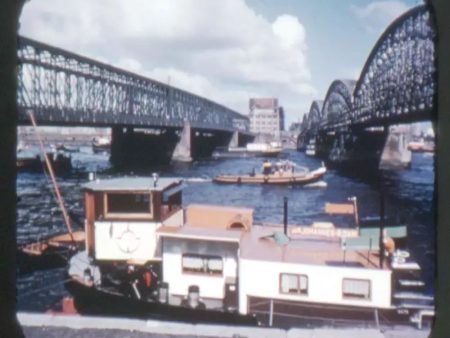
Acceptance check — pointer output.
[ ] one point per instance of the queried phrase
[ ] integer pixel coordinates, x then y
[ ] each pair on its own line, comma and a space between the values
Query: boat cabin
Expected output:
123, 214
204, 253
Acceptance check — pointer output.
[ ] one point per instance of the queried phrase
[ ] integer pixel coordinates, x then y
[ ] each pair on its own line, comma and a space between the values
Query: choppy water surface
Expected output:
408, 193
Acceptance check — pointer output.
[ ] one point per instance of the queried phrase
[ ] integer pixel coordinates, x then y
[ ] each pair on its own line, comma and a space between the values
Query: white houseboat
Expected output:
147, 257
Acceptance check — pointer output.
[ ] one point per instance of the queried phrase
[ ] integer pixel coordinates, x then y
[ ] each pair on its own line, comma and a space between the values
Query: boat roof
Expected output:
259, 244
212, 234
131, 184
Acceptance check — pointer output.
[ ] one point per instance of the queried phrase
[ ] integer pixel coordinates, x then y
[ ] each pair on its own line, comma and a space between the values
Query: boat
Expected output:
49, 253
148, 257
283, 174
66, 148
421, 146
57, 249
28, 160
271, 149
101, 144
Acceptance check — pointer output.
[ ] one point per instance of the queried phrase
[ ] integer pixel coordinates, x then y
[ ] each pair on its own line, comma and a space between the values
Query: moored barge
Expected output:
146, 256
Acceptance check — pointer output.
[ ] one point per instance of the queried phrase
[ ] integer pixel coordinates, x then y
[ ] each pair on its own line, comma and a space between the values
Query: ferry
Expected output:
146, 256
281, 173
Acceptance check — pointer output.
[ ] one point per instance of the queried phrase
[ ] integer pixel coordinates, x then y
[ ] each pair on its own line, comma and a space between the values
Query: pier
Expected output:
36, 325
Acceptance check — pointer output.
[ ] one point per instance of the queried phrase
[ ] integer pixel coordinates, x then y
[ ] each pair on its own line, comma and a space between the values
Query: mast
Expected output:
52, 175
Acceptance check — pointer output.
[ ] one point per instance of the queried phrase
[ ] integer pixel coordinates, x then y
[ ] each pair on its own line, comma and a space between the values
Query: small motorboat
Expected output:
51, 252
66, 148
284, 174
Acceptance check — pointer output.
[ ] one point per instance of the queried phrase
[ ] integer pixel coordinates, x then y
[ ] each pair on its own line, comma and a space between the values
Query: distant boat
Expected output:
66, 148
32, 161
272, 149
421, 146
279, 176
100, 144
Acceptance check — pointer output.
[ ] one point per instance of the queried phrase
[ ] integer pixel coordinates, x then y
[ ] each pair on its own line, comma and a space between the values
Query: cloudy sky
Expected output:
226, 50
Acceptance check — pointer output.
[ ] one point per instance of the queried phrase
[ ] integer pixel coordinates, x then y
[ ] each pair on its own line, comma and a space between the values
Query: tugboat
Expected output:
283, 173
146, 256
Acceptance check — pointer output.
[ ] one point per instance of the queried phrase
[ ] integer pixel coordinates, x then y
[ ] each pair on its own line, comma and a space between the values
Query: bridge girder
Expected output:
64, 88
396, 85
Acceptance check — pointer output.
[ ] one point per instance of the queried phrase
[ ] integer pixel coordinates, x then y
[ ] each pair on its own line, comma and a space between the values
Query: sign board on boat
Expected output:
327, 232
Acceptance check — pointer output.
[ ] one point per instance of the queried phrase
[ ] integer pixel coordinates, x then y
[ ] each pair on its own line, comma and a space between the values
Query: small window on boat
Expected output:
356, 288
128, 204
294, 284
209, 265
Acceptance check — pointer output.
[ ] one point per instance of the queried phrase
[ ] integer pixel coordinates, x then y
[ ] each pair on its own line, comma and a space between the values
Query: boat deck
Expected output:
259, 244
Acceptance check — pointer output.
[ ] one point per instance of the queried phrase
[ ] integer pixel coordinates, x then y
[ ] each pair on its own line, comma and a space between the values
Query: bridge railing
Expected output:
63, 87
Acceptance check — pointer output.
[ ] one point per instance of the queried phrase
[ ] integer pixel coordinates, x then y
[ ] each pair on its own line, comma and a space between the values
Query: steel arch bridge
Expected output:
397, 83
63, 88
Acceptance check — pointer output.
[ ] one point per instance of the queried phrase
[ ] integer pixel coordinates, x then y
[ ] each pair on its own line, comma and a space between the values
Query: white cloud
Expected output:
219, 49
376, 16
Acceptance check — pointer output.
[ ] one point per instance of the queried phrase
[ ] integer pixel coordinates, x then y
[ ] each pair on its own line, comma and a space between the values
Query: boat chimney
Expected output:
92, 176
155, 179
285, 214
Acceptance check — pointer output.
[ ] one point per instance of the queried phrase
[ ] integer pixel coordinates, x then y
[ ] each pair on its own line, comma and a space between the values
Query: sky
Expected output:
225, 50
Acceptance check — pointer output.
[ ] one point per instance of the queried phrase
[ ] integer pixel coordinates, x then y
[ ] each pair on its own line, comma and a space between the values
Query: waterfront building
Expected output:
266, 117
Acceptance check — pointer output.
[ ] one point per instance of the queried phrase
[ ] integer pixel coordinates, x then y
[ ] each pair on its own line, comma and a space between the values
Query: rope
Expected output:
43, 288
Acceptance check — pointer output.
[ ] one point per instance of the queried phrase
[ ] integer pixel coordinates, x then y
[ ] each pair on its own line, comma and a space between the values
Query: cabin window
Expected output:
209, 265
293, 284
356, 288
123, 204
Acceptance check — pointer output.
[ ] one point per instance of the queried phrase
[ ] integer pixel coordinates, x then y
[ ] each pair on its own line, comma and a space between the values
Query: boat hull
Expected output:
288, 314
93, 301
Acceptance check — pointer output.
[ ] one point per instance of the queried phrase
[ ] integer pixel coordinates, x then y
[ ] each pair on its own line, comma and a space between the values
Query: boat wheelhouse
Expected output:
146, 256
123, 214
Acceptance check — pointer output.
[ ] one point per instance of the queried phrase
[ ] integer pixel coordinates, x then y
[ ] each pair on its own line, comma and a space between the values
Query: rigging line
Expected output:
52, 175
48, 286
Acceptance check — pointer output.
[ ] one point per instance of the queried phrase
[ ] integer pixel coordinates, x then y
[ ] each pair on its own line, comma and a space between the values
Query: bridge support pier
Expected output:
234, 141
155, 146
357, 151
147, 147
182, 152
395, 153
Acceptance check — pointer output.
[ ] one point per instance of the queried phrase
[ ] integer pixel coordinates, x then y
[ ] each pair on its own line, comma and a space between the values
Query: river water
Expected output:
409, 194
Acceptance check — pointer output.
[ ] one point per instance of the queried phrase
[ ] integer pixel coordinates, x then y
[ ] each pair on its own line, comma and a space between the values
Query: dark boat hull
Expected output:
93, 301
288, 314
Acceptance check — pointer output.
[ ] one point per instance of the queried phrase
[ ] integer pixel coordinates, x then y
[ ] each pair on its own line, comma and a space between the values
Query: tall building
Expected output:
266, 117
